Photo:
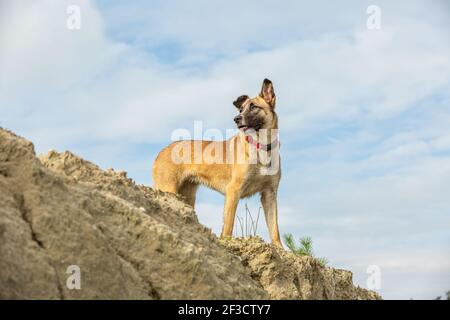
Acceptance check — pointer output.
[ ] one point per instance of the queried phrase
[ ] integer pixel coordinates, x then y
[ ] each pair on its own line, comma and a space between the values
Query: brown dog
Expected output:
246, 164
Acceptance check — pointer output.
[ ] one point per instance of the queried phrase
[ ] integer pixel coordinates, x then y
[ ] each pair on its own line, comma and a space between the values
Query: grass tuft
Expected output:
305, 247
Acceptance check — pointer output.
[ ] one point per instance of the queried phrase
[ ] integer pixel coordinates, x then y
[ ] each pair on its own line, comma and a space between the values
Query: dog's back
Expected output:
183, 165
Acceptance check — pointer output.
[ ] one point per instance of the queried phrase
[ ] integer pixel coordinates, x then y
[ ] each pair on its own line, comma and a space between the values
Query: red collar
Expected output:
266, 147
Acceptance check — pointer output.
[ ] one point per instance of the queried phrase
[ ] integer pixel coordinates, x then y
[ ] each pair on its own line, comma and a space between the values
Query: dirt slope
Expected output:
129, 241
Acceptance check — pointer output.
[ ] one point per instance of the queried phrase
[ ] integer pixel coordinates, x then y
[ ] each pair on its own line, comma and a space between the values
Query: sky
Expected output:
364, 113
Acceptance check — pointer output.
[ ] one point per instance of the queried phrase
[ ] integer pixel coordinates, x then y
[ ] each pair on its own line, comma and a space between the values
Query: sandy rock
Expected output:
285, 275
129, 241
64, 211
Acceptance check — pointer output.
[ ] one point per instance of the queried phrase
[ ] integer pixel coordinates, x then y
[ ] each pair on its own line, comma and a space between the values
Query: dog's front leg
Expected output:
232, 196
269, 203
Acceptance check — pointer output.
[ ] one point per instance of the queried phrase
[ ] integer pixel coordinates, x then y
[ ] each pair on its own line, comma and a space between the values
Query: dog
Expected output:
238, 167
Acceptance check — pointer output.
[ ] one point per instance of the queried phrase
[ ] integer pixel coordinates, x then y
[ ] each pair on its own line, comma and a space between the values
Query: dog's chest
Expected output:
256, 181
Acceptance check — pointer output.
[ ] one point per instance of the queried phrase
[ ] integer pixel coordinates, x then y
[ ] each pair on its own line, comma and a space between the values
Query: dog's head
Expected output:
259, 112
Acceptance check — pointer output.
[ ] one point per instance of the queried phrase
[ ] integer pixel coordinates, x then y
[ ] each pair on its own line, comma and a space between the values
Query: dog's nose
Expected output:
238, 118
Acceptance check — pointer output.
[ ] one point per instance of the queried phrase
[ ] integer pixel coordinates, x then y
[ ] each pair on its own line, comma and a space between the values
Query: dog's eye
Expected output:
252, 107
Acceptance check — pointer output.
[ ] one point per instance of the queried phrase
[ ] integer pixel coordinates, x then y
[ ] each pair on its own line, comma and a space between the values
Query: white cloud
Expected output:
232, 28
378, 196
101, 89
406, 273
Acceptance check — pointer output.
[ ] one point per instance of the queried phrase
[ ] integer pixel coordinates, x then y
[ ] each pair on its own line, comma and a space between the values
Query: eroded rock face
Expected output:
285, 275
129, 241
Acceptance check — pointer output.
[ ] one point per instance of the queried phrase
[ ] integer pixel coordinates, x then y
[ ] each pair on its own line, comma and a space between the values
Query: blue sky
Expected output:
364, 114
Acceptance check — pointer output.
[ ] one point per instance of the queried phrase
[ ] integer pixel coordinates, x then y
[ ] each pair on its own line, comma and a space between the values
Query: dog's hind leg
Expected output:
188, 190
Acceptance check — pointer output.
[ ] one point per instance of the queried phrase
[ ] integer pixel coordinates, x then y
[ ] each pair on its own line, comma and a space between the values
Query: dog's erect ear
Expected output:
240, 100
267, 93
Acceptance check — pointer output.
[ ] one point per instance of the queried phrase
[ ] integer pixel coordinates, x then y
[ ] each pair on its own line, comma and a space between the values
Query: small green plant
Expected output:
304, 248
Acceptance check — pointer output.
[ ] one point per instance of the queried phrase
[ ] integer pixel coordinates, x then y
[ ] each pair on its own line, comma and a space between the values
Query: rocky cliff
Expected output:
131, 242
